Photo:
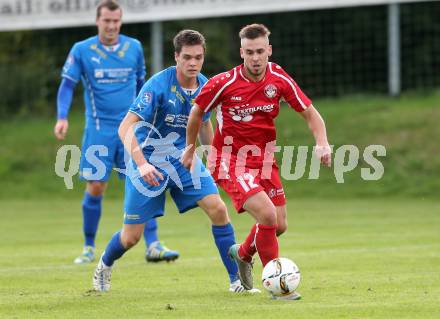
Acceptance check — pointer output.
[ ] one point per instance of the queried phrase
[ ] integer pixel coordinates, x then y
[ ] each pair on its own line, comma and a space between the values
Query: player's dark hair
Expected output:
253, 31
188, 38
112, 5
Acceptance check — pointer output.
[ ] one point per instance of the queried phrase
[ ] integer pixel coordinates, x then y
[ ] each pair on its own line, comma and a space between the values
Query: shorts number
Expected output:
247, 182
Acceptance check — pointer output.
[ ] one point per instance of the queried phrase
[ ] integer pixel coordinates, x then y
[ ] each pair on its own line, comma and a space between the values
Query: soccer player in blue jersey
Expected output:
111, 67
154, 132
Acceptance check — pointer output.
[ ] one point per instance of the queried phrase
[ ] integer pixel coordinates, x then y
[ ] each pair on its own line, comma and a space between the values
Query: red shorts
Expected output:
241, 184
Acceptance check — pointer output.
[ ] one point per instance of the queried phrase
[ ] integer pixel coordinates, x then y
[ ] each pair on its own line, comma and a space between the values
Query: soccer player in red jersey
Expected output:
247, 100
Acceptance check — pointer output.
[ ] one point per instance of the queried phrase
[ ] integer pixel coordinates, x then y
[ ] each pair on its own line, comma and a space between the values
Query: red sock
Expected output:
247, 248
266, 243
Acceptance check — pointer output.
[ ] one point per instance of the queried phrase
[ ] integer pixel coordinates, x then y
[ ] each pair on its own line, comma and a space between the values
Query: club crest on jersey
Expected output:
121, 53
270, 91
146, 98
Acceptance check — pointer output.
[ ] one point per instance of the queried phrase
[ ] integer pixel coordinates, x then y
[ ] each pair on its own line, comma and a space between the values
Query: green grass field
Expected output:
359, 259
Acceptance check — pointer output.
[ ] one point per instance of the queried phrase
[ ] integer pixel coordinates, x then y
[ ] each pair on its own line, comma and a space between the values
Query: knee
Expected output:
281, 228
218, 214
95, 188
269, 220
129, 239
269, 217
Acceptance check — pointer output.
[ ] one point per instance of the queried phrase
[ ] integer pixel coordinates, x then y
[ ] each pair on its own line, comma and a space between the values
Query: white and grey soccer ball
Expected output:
281, 276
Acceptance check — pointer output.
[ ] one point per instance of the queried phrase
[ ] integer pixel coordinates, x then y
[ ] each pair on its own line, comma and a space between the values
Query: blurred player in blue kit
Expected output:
111, 67
154, 133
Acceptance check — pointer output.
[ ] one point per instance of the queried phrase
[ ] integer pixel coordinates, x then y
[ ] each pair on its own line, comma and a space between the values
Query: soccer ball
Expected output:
281, 276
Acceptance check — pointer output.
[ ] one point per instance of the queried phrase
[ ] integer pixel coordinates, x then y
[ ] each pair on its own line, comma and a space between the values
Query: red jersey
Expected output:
246, 110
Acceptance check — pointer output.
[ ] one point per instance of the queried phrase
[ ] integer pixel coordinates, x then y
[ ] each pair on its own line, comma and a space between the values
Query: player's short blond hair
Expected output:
253, 31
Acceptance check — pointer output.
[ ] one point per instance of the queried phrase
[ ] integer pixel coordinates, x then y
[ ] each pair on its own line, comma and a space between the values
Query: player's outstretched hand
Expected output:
187, 158
324, 153
150, 174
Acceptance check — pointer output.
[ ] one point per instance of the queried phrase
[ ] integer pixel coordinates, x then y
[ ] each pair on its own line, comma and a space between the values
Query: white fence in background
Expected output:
38, 14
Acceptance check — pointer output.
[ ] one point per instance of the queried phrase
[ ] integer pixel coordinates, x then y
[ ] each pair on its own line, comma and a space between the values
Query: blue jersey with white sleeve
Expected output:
164, 105
109, 76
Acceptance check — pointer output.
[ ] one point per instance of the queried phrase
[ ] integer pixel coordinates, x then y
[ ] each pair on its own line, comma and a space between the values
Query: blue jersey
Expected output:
164, 105
109, 77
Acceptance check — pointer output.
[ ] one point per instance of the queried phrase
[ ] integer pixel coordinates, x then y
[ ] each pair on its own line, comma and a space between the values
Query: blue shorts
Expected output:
101, 150
143, 201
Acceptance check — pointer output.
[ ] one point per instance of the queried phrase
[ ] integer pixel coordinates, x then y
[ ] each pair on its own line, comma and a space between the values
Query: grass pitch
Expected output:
358, 258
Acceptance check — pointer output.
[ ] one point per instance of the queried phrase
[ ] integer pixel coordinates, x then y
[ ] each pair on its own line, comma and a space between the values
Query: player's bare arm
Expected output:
317, 127
126, 132
206, 134
192, 130
60, 129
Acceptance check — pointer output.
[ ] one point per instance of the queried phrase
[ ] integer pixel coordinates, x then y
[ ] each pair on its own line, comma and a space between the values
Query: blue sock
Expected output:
224, 238
91, 214
114, 250
150, 232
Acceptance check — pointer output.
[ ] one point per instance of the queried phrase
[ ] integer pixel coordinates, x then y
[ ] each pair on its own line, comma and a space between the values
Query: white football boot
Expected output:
237, 287
101, 277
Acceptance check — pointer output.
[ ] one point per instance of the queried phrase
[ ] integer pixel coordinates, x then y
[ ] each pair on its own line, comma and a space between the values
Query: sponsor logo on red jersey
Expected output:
245, 113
